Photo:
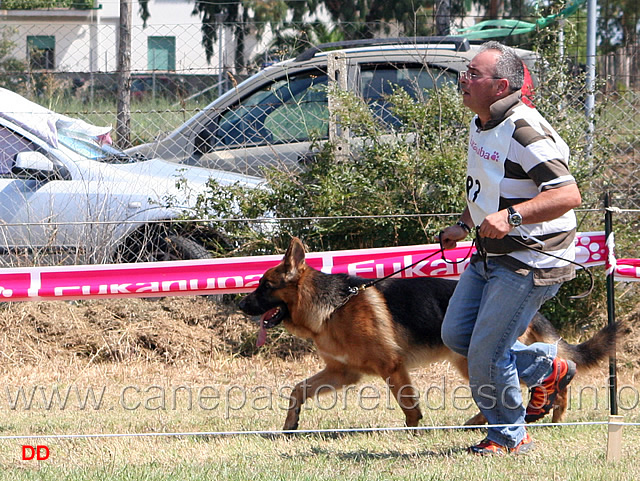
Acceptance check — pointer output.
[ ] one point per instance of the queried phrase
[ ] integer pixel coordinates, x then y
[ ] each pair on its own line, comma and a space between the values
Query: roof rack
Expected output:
461, 44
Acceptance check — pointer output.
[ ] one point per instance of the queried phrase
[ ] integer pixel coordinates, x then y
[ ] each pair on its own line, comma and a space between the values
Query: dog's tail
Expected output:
587, 354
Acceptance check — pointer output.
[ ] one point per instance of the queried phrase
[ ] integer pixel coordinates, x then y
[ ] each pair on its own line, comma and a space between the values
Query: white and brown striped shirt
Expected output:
511, 159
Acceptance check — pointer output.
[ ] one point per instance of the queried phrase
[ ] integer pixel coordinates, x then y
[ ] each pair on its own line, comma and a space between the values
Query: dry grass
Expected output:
170, 330
147, 357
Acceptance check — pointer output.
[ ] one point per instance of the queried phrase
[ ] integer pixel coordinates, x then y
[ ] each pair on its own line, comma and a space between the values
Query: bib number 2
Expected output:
473, 188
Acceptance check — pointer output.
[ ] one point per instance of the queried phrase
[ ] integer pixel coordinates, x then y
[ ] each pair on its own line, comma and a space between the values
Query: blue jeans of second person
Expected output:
490, 308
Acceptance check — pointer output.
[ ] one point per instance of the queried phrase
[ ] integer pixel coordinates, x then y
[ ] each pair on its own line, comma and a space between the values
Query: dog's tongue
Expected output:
262, 334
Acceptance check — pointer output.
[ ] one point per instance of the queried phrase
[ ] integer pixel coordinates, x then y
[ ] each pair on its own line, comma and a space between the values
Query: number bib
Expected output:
485, 168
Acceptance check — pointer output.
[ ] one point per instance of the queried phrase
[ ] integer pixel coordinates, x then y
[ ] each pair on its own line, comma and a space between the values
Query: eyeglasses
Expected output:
469, 76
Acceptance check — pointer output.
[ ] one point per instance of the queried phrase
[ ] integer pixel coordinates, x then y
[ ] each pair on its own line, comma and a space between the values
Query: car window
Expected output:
293, 109
379, 81
93, 150
303, 115
11, 144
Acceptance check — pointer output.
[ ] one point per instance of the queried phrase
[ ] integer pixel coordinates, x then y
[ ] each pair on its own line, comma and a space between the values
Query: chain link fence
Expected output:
69, 64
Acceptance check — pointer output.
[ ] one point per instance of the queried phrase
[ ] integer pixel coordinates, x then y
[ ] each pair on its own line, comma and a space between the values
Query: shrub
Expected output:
35, 4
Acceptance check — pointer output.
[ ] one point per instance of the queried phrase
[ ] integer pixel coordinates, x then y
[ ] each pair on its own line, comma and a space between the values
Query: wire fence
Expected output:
69, 64
301, 432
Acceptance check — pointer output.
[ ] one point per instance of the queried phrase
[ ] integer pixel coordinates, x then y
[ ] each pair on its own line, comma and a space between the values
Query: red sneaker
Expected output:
544, 394
488, 447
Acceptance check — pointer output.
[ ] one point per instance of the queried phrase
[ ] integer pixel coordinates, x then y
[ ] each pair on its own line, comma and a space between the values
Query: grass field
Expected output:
228, 388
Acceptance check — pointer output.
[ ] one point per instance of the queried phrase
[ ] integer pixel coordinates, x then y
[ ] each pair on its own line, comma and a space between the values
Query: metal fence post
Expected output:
611, 315
592, 6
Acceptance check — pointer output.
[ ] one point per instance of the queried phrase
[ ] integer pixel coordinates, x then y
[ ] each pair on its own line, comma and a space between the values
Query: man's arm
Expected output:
450, 236
547, 205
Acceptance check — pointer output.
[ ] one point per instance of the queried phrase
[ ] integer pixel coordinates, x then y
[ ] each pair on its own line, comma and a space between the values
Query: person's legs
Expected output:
460, 319
509, 302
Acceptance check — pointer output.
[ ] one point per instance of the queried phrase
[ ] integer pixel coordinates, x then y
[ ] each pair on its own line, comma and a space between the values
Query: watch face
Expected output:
515, 219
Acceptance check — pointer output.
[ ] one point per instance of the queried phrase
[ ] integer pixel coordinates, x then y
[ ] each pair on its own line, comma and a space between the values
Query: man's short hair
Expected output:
509, 64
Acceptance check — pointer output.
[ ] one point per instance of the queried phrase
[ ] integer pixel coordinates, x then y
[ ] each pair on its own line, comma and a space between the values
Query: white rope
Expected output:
297, 432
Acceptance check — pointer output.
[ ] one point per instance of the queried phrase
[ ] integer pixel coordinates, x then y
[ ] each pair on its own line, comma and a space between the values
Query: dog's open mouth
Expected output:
273, 317
270, 319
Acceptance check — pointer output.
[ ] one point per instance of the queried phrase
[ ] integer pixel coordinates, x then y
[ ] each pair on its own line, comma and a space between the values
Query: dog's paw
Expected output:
290, 426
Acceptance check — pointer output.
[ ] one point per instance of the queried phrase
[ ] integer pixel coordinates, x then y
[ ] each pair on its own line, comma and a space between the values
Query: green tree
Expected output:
618, 24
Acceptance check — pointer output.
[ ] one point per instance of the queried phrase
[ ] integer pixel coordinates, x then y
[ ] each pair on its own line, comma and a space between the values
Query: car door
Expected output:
43, 212
25, 227
273, 126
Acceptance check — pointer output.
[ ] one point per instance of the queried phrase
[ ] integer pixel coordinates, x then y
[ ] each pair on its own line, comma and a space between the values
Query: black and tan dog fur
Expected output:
384, 330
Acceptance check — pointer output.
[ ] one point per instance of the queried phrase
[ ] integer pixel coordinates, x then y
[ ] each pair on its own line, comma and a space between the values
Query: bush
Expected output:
560, 98
35, 4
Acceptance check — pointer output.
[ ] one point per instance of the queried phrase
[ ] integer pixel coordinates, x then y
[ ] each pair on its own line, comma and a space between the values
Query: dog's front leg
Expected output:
400, 384
325, 380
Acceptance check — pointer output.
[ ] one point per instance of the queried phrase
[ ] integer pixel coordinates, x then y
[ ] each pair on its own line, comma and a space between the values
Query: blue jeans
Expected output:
490, 308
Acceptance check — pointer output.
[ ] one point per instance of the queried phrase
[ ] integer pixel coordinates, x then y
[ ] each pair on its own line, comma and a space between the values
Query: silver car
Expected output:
279, 116
66, 195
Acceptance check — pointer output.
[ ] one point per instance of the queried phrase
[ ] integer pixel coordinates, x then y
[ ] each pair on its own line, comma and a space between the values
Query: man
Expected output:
520, 195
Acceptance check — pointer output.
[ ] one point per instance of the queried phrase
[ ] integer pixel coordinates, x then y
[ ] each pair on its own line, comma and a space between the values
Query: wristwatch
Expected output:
514, 218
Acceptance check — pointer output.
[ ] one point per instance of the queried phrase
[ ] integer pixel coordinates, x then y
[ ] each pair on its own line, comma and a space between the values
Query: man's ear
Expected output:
503, 87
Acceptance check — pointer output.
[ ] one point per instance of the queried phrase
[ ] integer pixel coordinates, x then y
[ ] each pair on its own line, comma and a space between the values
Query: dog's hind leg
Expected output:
560, 406
399, 383
477, 420
327, 379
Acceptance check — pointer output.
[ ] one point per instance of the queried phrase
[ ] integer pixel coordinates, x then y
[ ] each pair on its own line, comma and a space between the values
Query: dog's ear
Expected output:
294, 257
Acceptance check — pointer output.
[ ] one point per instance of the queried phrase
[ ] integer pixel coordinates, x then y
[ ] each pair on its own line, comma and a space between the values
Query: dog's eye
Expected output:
267, 284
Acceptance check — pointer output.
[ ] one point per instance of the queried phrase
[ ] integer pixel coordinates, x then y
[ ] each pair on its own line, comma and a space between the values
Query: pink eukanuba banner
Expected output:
242, 274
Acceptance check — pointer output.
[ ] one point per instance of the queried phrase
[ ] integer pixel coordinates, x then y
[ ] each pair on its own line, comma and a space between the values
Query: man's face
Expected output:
480, 88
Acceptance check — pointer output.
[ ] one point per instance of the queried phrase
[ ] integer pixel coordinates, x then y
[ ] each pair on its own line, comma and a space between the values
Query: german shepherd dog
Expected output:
384, 330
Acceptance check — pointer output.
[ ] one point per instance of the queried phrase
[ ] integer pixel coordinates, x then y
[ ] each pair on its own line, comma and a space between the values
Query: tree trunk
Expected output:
495, 7
443, 17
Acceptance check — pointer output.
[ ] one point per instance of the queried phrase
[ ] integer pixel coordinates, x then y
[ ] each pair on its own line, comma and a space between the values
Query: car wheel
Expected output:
181, 248
177, 247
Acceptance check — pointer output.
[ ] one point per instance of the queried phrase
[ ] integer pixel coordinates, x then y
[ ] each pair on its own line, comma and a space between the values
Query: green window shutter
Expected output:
161, 53
41, 42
